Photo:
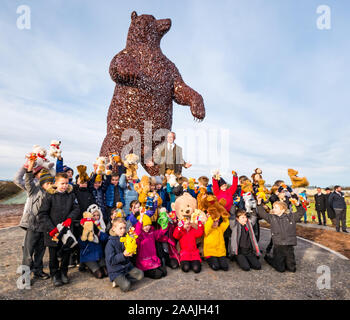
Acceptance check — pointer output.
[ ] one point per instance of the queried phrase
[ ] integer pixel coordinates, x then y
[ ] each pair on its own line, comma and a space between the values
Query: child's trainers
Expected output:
114, 284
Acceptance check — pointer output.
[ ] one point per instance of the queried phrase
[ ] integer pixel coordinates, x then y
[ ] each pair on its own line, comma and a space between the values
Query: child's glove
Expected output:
67, 222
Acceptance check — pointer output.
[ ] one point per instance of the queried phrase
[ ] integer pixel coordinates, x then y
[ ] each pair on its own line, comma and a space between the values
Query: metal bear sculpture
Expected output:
147, 83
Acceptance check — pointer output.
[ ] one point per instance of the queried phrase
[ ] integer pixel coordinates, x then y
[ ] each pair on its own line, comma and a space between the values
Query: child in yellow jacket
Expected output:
214, 243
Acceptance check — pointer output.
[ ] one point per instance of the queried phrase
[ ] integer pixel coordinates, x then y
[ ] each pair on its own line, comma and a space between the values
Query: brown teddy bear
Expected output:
256, 176
202, 193
214, 207
88, 226
83, 176
130, 163
297, 182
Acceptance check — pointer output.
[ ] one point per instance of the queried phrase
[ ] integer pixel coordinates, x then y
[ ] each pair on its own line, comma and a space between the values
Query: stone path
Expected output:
208, 285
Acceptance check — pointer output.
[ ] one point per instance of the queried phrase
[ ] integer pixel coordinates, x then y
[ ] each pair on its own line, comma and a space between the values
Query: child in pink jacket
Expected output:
221, 191
146, 257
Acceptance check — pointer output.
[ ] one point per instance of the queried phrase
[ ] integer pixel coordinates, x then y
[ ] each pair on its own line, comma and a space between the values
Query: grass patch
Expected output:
312, 212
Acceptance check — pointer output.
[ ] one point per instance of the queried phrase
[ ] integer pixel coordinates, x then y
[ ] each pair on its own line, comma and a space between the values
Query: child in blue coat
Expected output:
91, 252
119, 266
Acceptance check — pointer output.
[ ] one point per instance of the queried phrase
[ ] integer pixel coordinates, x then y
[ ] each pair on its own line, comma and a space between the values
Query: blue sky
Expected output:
273, 83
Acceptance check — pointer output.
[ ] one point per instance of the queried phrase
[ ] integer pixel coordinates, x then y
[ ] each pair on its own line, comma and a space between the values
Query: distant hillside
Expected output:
8, 189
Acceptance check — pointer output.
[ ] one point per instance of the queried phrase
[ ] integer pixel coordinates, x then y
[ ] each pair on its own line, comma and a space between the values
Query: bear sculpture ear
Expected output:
133, 15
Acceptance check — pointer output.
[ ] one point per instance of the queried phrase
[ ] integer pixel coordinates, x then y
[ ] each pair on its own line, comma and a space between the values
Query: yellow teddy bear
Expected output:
142, 188
130, 242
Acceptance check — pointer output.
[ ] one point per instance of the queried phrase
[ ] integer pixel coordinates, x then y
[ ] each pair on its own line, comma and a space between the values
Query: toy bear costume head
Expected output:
184, 206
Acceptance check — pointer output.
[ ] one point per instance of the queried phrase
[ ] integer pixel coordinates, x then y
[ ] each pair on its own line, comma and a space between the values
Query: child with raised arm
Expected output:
221, 190
283, 231
189, 253
126, 183
98, 187
214, 243
118, 262
34, 248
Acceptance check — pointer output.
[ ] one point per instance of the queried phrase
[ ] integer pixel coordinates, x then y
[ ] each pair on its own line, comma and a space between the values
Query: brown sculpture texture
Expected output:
147, 83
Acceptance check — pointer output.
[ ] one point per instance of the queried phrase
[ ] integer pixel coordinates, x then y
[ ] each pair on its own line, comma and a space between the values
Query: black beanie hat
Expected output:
221, 182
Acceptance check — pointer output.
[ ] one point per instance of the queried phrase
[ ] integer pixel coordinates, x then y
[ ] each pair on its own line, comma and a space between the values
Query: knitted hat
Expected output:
159, 180
66, 168
221, 182
146, 220
45, 176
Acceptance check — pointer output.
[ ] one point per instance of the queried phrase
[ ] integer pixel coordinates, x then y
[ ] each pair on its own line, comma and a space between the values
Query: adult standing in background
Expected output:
168, 155
320, 206
337, 202
330, 211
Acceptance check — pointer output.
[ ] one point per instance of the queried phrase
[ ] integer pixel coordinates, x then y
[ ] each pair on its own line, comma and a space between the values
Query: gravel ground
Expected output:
208, 285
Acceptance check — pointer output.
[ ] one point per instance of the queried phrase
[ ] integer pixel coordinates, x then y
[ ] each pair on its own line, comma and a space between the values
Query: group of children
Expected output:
56, 204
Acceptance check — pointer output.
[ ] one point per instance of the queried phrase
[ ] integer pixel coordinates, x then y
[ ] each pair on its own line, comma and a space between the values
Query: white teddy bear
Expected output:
39, 155
55, 151
172, 180
102, 166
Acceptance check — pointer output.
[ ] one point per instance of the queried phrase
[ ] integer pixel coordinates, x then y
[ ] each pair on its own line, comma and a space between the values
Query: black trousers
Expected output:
283, 258
269, 247
256, 229
340, 216
217, 263
155, 273
195, 265
248, 261
227, 237
75, 253
33, 250
55, 266
323, 212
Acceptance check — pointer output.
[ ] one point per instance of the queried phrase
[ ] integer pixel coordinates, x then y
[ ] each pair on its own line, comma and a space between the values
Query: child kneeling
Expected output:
118, 262
283, 230
214, 243
243, 245
189, 253
146, 258
91, 253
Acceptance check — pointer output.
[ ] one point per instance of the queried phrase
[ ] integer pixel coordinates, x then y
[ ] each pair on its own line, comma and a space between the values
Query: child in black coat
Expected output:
59, 207
283, 230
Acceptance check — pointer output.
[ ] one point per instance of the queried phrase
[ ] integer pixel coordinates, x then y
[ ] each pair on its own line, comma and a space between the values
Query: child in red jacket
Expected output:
221, 191
189, 253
